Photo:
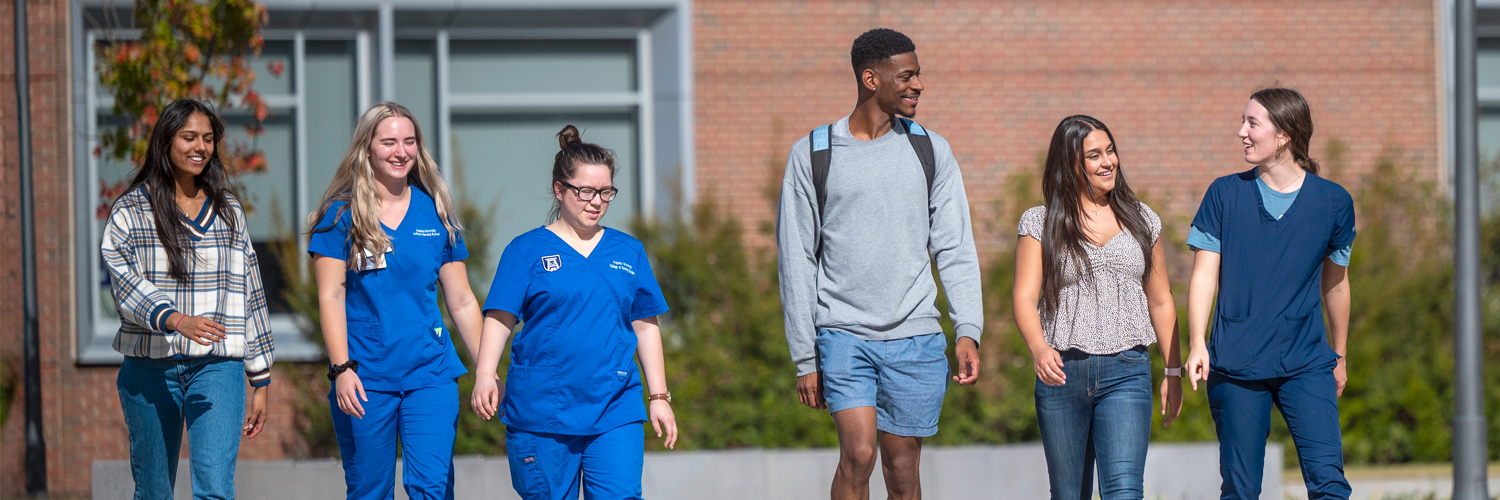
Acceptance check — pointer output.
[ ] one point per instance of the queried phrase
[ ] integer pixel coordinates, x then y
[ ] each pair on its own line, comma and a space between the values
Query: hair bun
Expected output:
568, 136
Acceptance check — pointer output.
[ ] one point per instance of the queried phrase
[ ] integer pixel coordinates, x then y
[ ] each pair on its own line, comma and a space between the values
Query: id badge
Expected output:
371, 262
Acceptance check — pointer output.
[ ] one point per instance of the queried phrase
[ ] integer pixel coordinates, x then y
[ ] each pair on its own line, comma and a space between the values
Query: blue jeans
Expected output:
546, 466
1242, 417
158, 396
426, 423
1103, 414
904, 379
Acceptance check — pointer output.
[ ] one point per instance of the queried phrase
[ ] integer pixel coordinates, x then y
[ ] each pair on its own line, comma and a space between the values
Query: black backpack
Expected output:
822, 156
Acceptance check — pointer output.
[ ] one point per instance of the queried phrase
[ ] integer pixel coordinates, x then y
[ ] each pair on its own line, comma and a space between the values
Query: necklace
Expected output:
1282, 189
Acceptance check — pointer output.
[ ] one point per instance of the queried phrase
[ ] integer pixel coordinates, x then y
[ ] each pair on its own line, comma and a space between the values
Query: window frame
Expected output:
373, 53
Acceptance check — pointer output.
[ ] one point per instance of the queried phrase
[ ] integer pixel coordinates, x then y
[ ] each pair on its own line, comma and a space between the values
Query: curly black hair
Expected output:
877, 46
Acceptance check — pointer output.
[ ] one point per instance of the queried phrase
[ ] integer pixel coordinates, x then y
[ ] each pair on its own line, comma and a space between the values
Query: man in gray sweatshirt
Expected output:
856, 281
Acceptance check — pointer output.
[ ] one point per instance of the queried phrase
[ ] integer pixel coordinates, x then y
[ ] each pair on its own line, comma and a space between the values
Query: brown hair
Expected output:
1291, 115
575, 152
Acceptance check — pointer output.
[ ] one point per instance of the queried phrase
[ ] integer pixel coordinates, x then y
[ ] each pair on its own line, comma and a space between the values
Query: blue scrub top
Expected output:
1269, 321
395, 330
572, 368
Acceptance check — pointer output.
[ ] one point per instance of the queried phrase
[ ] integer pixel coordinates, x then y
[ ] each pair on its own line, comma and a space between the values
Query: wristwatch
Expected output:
665, 396
335, 370
1174, 372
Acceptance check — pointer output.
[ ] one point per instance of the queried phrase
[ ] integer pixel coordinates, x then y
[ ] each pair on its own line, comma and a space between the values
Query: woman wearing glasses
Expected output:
572, 402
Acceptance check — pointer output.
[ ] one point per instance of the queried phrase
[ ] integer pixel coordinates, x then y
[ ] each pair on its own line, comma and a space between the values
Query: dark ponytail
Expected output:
574, 152
1291, 115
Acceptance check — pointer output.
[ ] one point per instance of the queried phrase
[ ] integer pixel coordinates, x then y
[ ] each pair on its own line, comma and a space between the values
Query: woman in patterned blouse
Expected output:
193, 324
1091, 295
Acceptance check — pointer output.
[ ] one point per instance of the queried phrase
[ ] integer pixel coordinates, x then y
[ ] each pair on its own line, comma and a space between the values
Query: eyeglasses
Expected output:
588, 193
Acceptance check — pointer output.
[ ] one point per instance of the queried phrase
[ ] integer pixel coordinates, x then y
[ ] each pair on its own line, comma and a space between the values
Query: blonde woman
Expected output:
385, 235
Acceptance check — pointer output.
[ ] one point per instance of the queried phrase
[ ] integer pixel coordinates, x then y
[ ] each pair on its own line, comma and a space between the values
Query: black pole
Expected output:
36, 446
1470, 441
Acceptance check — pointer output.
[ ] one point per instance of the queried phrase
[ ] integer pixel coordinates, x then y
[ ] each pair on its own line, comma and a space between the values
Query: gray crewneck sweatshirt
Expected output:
879, 232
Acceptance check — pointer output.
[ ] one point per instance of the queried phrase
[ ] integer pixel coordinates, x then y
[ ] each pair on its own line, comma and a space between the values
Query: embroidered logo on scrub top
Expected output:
552, 263
426, 232
622, 266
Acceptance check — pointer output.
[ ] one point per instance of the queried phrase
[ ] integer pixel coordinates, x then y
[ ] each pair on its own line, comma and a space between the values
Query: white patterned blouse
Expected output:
1108, 313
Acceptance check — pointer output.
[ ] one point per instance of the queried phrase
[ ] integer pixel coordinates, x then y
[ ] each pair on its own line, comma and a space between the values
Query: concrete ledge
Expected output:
1173, 471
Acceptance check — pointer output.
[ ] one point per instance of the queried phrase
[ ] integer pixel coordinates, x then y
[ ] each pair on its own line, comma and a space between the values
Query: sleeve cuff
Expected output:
968, 330
261, 379
807, 366
159, 317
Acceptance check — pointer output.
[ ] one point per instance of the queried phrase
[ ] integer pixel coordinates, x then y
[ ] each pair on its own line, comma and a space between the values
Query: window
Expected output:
489, 100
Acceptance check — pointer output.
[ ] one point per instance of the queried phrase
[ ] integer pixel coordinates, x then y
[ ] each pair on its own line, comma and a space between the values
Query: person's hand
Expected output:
1341, 375
968, 361
485, 399
255, 414
810, 391
1171, 400
1196, 367
1048, 366
350, 392
198, 329
662, 418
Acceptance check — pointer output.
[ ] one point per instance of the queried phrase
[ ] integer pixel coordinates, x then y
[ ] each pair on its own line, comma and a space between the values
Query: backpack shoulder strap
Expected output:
922, 143
822, 156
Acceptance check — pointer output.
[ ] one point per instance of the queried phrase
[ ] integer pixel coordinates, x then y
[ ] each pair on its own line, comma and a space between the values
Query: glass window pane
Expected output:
1488, 62
416, 82
510, 66
331, 113
504, 166
110, 173
275, 52
268, 192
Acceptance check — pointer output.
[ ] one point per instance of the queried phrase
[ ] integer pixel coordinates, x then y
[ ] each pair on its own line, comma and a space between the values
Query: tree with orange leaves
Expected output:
187, 49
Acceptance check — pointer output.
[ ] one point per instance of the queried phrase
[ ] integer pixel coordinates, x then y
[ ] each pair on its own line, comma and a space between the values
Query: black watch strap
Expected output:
335, 370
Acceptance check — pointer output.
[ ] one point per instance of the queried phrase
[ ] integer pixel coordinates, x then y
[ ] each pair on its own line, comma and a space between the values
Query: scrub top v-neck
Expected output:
395, 330
572, 365
1268, 320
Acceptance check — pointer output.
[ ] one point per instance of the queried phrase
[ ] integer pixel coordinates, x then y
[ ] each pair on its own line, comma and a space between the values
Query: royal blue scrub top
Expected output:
1269, 319
395, 330
572, 367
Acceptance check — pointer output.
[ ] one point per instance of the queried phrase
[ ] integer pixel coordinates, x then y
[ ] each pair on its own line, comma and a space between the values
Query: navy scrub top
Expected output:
395, 330
1269, 320
572, 368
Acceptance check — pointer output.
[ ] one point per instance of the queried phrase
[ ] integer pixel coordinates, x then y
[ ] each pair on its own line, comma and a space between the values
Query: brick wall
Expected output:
1170, 78
82, 421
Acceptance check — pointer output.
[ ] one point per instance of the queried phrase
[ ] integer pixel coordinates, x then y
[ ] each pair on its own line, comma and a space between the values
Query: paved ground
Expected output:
1406, 482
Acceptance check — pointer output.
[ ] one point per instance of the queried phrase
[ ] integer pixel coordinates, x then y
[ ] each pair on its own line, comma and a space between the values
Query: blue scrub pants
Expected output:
1242, 418
547, 466
426, 422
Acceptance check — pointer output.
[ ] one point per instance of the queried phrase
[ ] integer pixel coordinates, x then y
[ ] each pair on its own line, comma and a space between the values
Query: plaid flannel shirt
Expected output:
224, 286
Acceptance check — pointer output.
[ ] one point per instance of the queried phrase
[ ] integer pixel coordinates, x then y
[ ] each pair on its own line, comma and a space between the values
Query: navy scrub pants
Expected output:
426, 422
1242, 418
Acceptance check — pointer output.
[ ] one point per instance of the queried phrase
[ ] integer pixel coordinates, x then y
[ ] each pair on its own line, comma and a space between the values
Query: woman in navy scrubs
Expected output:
385, 236
572, 402
1274, 244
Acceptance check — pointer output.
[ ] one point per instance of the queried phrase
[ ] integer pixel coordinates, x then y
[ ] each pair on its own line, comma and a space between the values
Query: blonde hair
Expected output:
354, 182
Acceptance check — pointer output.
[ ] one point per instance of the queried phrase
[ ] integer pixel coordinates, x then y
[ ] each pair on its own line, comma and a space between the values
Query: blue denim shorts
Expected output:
904, 379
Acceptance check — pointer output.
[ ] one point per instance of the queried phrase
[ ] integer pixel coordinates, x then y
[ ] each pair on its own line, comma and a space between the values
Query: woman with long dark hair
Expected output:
1091, 294
572, 403
193, 320
385, 237
1273, 243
